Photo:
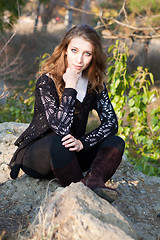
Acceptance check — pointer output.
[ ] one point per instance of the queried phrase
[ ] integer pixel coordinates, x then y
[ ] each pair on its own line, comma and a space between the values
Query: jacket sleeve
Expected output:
59, 114
108, 119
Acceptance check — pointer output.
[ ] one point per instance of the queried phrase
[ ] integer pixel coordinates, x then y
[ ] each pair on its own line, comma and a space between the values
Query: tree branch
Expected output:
124, 25
7, 42
3, 95
123, 10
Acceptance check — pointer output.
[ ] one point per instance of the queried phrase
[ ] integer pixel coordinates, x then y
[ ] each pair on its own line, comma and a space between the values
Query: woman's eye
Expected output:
73, 50
88, 53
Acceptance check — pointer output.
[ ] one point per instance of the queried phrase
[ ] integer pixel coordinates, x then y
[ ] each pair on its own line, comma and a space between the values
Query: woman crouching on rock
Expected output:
55, 143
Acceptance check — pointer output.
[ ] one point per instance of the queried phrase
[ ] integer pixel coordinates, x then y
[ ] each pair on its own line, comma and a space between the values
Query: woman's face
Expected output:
79, 54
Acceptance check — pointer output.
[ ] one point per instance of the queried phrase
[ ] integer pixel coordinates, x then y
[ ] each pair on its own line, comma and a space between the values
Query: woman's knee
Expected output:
53, 144
115, 141
119, 143
59, 154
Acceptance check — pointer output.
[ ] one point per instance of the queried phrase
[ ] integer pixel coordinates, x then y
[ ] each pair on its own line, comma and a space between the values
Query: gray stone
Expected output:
79, 213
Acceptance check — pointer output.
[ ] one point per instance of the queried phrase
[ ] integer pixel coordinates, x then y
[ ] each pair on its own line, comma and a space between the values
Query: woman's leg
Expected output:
107, 157
36, 160
47, 156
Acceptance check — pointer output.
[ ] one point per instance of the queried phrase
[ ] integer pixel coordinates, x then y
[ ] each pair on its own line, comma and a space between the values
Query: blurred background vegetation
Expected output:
130, 32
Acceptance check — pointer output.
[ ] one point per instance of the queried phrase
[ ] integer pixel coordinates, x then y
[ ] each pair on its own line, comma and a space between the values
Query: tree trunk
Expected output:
70, 15
86, 18
38, 13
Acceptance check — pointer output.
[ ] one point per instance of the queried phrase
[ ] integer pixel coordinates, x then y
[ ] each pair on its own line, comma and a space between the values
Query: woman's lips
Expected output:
77, 67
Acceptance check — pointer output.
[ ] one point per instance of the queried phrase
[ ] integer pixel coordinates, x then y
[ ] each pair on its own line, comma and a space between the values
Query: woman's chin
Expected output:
78, 72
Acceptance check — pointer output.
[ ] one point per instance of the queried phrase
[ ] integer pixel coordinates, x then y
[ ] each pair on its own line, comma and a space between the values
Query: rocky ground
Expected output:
20, 199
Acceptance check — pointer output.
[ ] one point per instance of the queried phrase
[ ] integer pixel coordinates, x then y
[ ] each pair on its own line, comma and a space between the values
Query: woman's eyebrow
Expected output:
74, 47
90, 51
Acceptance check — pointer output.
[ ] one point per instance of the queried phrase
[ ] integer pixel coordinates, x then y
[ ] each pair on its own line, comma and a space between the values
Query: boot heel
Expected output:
106, 193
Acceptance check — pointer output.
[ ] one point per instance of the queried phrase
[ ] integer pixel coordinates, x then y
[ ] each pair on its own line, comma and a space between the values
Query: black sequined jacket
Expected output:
67, 116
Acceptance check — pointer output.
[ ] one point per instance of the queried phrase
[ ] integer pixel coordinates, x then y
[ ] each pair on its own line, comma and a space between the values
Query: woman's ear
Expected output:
66, 51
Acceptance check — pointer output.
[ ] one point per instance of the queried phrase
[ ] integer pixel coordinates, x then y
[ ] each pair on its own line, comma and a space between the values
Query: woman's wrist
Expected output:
70, 85
80, 145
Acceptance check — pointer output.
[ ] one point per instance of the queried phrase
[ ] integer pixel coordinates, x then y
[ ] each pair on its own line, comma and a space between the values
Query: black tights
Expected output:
48, 153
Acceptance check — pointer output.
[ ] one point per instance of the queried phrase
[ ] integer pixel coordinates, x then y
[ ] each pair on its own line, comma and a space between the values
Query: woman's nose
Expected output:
79, 58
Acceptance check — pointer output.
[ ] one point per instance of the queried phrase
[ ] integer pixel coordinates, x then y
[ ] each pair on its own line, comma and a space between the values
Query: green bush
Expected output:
130, 96
19, 106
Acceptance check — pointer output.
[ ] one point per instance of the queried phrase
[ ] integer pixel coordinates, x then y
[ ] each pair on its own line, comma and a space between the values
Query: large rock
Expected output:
77, 213
21, 200
9, 132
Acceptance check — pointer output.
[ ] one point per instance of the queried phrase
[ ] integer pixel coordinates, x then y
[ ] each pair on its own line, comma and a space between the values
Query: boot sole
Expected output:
107, 194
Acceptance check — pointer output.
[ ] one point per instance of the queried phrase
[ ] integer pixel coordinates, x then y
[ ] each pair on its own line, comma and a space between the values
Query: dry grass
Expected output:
43, 226
44, 229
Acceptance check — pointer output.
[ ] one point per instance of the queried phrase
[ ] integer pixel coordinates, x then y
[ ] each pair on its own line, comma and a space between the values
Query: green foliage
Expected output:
19, 106
134, 6
44, 1
144, 6
140, 13
9, 12
113, 4
130, 96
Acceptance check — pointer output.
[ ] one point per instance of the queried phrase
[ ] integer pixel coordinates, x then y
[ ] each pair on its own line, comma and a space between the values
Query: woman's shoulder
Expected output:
44, 79
104, 86
102, 89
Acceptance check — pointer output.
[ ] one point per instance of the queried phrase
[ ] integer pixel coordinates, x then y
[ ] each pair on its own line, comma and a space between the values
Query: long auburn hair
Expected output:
56, 64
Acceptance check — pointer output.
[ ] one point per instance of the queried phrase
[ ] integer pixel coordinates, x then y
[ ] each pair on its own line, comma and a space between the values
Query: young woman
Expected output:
55, 143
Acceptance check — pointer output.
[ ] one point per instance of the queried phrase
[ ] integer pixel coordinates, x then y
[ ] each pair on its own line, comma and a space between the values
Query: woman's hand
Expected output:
72, 143
70, 78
